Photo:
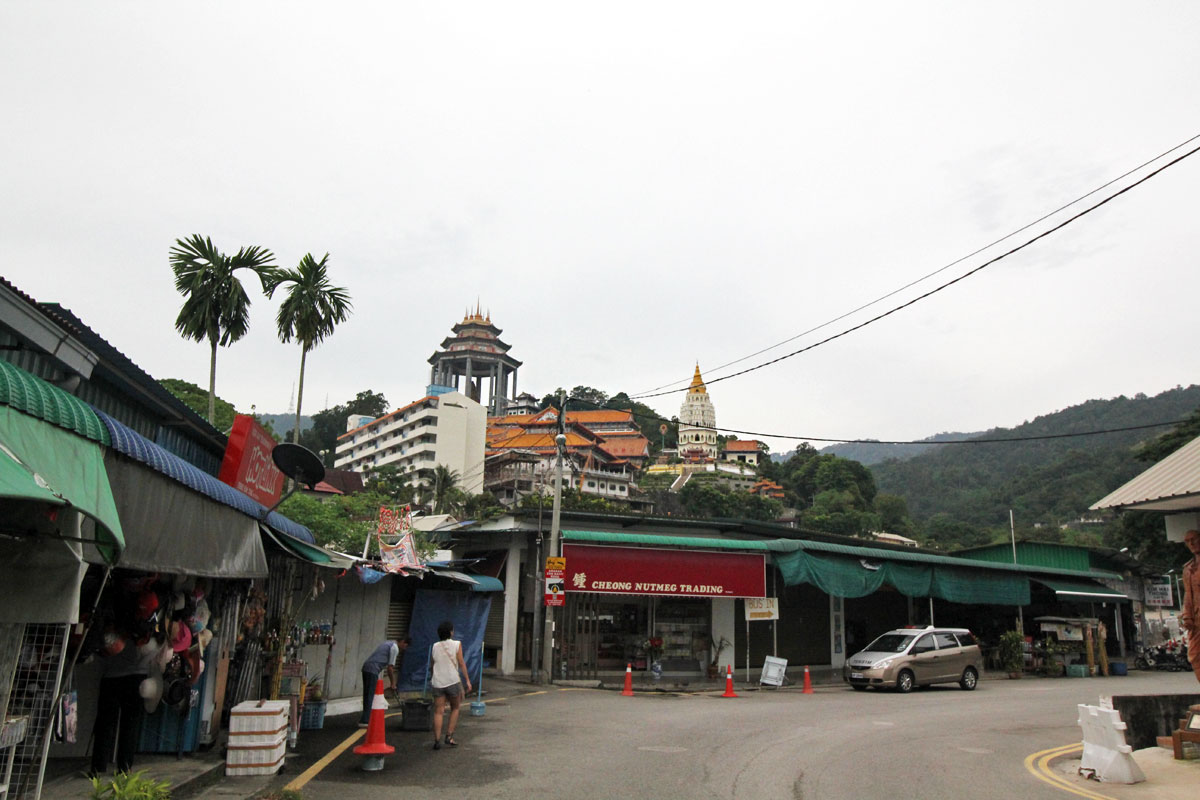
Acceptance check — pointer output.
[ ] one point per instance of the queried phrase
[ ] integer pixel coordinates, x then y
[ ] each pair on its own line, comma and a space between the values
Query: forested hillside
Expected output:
955, 488
868, 453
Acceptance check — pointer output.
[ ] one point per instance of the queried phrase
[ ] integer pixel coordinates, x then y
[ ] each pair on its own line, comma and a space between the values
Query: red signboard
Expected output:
682, 573
247, 465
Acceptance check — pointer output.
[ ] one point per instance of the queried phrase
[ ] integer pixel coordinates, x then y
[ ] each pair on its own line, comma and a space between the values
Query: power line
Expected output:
658, 419
1056, 228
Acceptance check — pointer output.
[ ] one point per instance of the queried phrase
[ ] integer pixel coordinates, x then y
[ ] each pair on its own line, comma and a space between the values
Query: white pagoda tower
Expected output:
697, 423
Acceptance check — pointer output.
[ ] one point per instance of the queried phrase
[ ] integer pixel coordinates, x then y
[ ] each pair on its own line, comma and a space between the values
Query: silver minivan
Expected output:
908, 657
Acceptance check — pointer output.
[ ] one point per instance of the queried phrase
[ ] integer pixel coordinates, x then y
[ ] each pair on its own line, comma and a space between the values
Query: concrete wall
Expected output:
461, 427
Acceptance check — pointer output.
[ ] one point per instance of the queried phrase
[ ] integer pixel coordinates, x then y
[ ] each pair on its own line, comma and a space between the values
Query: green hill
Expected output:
1046, 482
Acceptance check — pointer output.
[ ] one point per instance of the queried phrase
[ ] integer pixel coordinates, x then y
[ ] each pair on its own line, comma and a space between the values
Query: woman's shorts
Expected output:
452, 691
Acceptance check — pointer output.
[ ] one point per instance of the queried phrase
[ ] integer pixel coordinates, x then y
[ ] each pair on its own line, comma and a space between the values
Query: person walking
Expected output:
447, 665
382, 658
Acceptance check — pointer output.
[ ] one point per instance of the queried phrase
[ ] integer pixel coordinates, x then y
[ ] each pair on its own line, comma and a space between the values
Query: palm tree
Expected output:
216, 308
312, 309
440, 490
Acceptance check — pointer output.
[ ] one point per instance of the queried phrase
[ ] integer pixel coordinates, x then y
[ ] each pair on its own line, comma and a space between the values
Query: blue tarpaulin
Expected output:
469, 613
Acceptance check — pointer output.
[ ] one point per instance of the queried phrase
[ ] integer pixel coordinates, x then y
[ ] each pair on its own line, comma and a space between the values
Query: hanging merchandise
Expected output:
66, 719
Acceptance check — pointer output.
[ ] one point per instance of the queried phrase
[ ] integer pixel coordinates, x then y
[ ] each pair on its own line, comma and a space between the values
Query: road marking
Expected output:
1038, 765
979, 751
303, 778
884, 724
661, 749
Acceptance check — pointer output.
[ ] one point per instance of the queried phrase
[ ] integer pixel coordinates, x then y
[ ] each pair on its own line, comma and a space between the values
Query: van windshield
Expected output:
890, 643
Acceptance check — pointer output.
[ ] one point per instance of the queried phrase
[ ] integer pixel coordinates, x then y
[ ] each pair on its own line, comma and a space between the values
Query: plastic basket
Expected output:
312, 718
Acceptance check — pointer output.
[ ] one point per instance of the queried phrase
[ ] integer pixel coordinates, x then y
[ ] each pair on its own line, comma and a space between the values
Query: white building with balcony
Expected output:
447, 429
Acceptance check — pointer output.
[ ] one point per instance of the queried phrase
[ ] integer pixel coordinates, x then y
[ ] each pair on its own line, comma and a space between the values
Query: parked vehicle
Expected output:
1170, 656
909, 657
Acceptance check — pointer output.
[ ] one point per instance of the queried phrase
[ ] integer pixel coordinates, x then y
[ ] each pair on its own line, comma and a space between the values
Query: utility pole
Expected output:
1012, 529
560, 441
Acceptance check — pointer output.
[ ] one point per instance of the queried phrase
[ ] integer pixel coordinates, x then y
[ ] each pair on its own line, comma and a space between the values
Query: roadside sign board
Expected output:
1158, 592
555, 585
761, 608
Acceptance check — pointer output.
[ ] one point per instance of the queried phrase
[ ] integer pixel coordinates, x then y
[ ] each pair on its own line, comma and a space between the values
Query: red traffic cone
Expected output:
628, 690
807, 681
375, 748
729, 682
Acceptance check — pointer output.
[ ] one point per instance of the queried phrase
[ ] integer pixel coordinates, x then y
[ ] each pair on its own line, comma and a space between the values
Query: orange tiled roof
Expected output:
600, 415
627, 446
743, 446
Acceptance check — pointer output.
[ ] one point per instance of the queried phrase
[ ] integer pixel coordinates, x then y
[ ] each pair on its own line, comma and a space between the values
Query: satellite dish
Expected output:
298, 463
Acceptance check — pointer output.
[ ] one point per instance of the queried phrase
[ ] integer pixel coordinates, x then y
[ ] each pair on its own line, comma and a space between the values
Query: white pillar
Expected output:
512, 587
837, 632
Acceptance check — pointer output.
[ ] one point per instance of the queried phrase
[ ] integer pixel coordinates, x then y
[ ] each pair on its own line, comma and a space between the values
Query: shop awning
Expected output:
62, 464
170, 528
1082, 589
311, 553
478, 583
130, 443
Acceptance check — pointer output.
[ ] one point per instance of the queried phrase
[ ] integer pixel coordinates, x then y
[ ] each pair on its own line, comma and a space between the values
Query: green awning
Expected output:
70, 467
846, 576
301, 550
35, 397
18, 482
1082, 590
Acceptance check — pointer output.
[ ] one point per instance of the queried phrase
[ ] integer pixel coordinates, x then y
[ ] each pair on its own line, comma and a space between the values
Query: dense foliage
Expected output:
960, 495
196, 399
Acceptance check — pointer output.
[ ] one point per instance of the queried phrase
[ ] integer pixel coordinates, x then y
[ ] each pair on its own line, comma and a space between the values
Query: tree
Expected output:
196, 399
440, 490
310, 312
216, 308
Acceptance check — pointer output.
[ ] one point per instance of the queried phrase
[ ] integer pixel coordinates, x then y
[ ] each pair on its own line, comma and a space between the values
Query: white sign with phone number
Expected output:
761, 608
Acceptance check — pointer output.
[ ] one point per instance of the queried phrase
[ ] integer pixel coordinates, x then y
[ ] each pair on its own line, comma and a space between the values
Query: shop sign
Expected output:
762, 608
247, 465
555, 567
680, 573
1158, 592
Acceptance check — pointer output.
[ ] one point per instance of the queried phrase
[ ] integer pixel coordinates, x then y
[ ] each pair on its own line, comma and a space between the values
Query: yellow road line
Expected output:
1038, 765
304, 777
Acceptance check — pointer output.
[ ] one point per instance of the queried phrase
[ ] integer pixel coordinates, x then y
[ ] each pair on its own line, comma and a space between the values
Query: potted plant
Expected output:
716, 647
1012, 653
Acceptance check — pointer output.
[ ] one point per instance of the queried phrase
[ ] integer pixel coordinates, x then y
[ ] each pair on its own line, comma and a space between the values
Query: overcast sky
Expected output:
629, 189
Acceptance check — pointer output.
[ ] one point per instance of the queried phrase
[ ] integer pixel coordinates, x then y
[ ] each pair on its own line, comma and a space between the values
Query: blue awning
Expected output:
130, 443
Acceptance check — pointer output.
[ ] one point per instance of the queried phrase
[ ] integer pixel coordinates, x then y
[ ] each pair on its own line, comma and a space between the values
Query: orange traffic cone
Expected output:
628, 690
375, 748
729, 682
807, 681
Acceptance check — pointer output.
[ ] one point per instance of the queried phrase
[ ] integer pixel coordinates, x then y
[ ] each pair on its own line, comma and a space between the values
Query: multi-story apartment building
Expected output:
447, 429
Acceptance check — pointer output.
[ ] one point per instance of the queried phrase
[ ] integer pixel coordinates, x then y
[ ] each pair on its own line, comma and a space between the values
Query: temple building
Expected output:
697, 423
473, 355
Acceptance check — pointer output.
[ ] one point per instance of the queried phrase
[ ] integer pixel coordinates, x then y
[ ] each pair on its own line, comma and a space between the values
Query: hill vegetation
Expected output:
960, 494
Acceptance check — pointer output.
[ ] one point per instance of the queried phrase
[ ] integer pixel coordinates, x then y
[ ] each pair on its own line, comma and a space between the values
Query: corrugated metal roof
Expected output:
35, 397
1172, 484
130, 443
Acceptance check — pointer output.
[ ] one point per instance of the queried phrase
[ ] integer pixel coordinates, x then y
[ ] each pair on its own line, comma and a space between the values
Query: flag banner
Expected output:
402, 554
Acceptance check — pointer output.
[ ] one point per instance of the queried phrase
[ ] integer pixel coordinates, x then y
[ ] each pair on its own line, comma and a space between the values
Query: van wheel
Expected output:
904, 681
970, 679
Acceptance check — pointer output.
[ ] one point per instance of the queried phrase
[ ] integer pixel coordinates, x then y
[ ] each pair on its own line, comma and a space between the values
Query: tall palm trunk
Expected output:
212, 384
299, 395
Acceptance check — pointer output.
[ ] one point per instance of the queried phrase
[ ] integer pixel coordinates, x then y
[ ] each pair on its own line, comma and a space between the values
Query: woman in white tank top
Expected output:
446, 665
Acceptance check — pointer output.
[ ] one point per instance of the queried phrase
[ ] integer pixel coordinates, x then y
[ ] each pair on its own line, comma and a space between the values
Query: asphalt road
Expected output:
836, 743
